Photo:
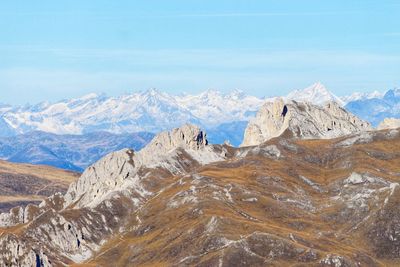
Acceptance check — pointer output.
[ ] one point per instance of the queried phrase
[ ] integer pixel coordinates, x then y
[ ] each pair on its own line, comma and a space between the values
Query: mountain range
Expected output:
376, 109
71, 152
74, 133
155, 111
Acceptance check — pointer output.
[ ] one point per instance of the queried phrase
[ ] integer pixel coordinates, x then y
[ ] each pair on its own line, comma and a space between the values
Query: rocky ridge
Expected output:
109, 189
302, 120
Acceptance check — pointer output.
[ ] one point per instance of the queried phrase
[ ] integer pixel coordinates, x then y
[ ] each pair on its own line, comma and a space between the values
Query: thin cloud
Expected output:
188, 15
262, 14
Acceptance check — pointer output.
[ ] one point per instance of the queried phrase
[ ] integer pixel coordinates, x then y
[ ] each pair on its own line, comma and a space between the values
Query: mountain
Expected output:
301, 120
71, 152
317, 94
223, 114
23, 184
214, 108
5, 129
151, 111
377, 109
183, 202
361, 96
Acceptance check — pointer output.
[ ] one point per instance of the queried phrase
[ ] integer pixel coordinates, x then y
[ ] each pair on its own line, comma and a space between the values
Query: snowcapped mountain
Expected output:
225, 115
213, 107
362, 96
317, 94
150, 111
4, 108
377, 109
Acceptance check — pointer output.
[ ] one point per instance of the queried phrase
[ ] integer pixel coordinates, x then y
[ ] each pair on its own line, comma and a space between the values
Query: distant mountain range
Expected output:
154, 111
72, 152
376, 109
150, 111
67, 134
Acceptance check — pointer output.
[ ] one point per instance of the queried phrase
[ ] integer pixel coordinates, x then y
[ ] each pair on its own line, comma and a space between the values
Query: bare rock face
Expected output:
389, 123
188, 137
302, 120
118, 171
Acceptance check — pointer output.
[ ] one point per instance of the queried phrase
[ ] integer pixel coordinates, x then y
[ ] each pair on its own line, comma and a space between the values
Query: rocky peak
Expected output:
316, 94
119, 170
188, 137
302, 120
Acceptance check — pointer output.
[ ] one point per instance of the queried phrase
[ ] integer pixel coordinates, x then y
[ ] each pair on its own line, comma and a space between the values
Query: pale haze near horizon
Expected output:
51, 50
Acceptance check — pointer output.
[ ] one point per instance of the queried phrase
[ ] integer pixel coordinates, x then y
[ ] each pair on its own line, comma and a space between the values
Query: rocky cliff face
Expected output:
389, 123
119, 171
302, 120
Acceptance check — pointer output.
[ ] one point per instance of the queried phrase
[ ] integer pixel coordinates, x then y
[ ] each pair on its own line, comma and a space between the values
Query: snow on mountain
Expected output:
316, 94
151, 111
213, 107
376, 109
5, 129
148, 111
155, 111
4, 108
362, 96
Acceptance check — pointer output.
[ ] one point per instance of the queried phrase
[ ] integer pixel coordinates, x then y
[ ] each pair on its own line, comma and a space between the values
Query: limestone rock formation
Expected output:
389, 123
119, 170
301, 120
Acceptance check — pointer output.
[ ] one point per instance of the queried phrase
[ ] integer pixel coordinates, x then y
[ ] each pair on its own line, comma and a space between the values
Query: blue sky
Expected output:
50, 50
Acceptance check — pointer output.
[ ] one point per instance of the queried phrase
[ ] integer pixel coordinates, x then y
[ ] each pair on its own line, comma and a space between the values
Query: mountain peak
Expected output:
237, 94
317, 94
153, 91
318, 86
301, 120
362, 96
395, 92
188, 136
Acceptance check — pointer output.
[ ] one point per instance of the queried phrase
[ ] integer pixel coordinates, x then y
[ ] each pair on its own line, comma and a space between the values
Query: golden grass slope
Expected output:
21, 184
295, 209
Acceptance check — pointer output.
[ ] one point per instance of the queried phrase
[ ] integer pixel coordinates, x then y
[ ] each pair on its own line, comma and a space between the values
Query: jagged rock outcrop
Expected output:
302, 120
119, 170
389, 123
